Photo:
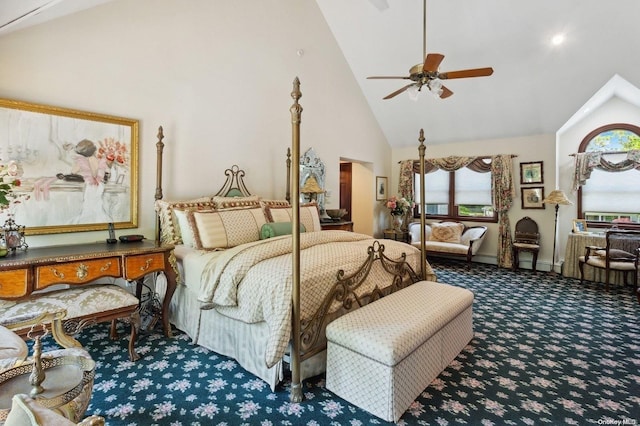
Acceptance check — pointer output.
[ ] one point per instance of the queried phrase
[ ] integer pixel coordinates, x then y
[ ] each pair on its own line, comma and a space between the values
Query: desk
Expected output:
340, 226
392, 234
24, 272
576, 247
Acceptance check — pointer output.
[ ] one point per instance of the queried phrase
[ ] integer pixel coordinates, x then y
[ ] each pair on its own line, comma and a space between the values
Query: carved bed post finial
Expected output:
158, 196
423, 256
296, 113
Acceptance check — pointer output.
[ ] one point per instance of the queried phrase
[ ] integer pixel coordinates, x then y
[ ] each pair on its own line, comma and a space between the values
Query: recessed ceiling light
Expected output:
557, 39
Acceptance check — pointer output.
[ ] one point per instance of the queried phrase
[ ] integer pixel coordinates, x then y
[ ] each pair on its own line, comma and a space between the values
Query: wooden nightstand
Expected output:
340, 226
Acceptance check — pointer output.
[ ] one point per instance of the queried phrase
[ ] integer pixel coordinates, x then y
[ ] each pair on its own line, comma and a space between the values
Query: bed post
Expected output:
287, 194
423, 257
158, 196
296, 118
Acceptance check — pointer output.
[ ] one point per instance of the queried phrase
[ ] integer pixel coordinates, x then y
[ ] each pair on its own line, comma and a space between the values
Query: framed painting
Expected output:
532, 197
77, 171
381, 188
531, 172
579, 226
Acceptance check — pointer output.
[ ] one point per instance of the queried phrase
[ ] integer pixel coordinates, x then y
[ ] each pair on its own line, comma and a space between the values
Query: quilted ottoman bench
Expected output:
382, 356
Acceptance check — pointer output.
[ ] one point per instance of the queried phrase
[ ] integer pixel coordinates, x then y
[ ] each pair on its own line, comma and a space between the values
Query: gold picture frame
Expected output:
531, 172
532, 197
580, 226
382, 188
78, 171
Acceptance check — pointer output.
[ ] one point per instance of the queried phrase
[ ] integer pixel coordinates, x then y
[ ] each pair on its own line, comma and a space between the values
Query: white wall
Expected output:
615, 110
527, 149
217, 75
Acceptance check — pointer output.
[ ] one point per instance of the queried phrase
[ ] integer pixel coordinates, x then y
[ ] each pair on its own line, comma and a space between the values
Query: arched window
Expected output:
611, 194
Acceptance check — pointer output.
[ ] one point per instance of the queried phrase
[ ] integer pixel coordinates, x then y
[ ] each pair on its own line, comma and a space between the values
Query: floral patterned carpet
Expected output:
546, 351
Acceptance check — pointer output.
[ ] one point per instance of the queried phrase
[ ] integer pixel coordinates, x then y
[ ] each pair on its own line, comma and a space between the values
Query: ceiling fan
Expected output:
427, 73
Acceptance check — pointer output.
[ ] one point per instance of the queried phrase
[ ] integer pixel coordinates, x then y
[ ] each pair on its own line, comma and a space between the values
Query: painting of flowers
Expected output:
71, 170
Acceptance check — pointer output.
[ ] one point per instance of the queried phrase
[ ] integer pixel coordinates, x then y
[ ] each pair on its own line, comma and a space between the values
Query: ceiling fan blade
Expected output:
445, 93
432, 62
380, 77
397, 92
476, 72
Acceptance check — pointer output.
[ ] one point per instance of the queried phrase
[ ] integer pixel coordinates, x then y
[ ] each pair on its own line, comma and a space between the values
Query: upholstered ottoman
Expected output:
382, 356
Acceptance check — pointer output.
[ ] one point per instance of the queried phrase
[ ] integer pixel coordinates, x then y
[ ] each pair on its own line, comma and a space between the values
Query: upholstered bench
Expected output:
382, 356
84, 305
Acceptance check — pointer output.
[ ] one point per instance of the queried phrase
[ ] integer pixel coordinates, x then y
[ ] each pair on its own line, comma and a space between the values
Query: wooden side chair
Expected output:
621, 253
527, 239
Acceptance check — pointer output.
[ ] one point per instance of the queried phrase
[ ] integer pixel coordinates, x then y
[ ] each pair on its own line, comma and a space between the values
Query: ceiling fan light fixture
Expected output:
435, 87
413, 92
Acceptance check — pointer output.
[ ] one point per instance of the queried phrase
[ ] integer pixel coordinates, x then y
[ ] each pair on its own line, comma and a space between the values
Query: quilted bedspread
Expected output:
252, 282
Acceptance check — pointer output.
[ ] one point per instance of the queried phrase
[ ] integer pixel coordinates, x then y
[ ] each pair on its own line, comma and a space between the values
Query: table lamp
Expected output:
556, 197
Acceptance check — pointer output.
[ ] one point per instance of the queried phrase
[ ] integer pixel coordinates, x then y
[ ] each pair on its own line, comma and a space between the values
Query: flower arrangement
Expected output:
9, 179
399, 206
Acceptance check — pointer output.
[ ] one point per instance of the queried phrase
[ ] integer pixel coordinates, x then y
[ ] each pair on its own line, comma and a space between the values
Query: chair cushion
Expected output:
78, 301
616, 255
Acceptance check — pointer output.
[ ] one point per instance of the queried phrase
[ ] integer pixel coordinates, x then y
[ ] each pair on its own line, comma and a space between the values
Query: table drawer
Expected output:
140, 265
13, 283
80, 272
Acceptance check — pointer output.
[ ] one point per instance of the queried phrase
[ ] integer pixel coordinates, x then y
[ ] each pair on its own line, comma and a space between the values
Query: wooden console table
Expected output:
24, 272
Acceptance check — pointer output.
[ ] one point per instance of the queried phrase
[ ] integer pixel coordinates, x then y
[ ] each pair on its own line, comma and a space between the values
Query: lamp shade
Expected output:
311, 186
557, 197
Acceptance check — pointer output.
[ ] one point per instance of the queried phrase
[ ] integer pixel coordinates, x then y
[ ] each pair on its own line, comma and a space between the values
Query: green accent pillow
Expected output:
276, 229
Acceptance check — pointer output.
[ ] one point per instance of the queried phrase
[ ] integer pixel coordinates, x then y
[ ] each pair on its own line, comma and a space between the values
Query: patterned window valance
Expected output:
586, 162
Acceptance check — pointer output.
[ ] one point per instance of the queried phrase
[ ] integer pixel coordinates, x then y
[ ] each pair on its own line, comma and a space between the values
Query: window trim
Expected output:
452, 207
581, 148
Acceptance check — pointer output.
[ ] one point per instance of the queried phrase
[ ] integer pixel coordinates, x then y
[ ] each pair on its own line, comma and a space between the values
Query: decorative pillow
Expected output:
275, 203
170, 232
182, 221
222, 203
616, 255
310, 218
226, 228
276, 229
278, 213
448, 232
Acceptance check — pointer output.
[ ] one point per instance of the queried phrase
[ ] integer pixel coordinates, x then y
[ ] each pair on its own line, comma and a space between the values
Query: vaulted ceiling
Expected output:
536, 86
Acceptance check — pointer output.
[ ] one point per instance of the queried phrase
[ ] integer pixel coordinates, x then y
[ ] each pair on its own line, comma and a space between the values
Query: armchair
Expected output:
621, 253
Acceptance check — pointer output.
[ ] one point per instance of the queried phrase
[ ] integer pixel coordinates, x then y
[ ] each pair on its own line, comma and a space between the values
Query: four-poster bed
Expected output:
266, 302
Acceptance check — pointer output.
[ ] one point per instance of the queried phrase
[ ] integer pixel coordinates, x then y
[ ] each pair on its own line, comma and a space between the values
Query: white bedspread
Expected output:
252, 282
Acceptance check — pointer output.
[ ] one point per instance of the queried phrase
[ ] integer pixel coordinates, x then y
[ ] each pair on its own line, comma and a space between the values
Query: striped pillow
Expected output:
227, 228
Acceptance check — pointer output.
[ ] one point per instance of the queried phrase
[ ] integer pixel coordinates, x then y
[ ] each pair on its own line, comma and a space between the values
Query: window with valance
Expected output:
607, 176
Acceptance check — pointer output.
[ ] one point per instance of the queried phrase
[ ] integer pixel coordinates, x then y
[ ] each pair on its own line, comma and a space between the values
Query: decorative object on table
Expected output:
381, 188
92, 180
531, 172
336, 214
579, 226
13, 236
398, 208
311, 189
558, 198
532, 197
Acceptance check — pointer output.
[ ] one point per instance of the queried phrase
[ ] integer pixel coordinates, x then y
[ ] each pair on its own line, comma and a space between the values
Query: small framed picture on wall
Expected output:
381, 188
531, 172
532, 197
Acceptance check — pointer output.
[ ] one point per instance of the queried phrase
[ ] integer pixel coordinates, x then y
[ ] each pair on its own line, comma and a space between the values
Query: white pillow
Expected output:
184, 228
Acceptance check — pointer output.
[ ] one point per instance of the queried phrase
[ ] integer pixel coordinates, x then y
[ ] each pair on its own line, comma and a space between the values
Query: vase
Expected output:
396, 221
